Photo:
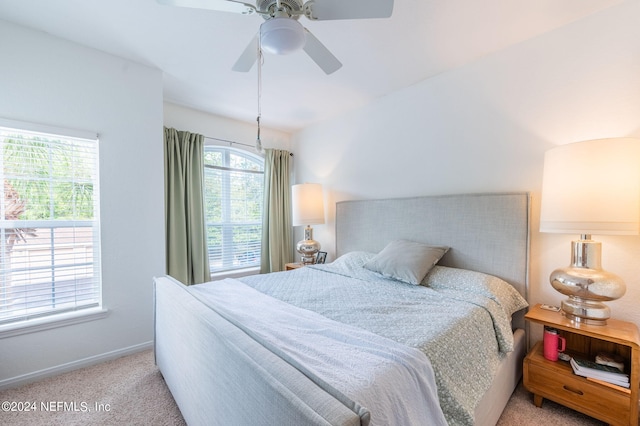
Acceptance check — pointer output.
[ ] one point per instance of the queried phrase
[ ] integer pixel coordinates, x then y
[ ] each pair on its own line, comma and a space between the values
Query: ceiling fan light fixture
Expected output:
282, 36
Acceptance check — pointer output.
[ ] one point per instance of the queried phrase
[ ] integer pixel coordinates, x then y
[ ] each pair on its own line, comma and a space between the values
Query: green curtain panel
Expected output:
277, 247
187, 256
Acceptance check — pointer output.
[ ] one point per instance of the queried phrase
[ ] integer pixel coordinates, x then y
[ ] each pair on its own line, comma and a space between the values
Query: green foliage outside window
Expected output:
50, 241
51, 185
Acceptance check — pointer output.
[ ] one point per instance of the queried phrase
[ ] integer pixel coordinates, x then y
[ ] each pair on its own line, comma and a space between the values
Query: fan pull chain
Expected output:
258, 141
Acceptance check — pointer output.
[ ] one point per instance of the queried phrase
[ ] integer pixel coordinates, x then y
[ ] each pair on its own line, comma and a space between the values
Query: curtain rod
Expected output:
229, 142
234, 142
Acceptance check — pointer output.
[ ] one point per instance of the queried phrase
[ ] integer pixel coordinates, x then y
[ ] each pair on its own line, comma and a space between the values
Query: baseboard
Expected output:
70, 366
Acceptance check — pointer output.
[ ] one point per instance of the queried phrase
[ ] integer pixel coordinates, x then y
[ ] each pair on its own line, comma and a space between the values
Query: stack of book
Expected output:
596, 371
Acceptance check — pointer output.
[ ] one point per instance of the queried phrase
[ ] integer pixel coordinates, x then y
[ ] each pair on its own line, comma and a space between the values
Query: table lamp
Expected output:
590, 187
308, 209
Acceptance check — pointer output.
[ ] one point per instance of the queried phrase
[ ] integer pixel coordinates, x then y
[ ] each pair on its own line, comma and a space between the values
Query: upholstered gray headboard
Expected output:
485, 232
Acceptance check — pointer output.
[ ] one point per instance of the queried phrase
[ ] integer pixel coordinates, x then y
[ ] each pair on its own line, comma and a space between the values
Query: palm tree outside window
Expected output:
49, 225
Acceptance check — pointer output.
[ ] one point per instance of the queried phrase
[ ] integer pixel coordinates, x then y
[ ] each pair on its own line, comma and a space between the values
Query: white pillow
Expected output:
406, 261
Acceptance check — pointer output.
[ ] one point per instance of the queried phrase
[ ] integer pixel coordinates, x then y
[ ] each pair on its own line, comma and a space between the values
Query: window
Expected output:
233, 188
49, 227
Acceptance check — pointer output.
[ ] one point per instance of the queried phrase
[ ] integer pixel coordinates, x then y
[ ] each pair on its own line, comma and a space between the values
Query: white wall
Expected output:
485, 127
50, 81
214, 126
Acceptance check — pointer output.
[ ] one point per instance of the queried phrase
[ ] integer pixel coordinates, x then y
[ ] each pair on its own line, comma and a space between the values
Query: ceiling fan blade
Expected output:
248, 57
219, 5
320, 54
351, 9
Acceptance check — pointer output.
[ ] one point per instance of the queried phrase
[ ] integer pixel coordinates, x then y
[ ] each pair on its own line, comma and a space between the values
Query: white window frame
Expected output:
27, 322
229, 268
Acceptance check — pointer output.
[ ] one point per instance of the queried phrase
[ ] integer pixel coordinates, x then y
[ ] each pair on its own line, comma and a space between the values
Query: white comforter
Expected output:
384, 382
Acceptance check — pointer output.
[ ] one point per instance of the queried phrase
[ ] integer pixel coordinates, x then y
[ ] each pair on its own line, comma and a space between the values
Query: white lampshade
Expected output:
592, 187
282, 36
308, 204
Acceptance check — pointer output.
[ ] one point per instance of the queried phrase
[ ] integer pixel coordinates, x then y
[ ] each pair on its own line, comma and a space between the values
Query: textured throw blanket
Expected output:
460, 325
384, 382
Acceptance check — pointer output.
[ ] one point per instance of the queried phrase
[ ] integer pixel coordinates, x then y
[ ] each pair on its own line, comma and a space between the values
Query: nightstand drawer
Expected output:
556, 381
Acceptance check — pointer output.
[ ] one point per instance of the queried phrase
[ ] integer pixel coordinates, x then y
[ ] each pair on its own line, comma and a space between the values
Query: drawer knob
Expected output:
576, 391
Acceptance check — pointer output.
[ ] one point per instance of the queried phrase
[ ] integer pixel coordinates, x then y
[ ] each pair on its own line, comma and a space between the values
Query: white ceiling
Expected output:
197, 48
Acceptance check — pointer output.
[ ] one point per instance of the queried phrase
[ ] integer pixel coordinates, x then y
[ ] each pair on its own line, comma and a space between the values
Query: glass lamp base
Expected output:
308, 250
587, 284
585, 311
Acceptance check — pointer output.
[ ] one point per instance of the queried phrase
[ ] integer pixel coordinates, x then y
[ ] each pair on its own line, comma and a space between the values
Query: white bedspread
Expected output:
384, 382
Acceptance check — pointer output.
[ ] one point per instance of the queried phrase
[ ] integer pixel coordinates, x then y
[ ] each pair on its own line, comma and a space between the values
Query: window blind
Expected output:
234, 182
49, 225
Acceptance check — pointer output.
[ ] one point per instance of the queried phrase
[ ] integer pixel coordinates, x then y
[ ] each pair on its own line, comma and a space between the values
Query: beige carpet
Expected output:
131, 391
131, 386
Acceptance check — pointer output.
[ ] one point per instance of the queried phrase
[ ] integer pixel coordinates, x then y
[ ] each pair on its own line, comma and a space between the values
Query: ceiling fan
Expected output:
281, 33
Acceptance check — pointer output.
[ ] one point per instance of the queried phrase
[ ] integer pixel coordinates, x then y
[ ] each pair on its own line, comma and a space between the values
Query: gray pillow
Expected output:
406, 261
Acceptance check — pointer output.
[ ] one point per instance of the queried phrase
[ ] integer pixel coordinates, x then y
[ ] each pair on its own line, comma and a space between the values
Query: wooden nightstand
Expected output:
556, 381
291, 266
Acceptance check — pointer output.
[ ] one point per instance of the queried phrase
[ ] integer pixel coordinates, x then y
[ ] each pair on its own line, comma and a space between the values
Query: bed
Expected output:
345, 343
